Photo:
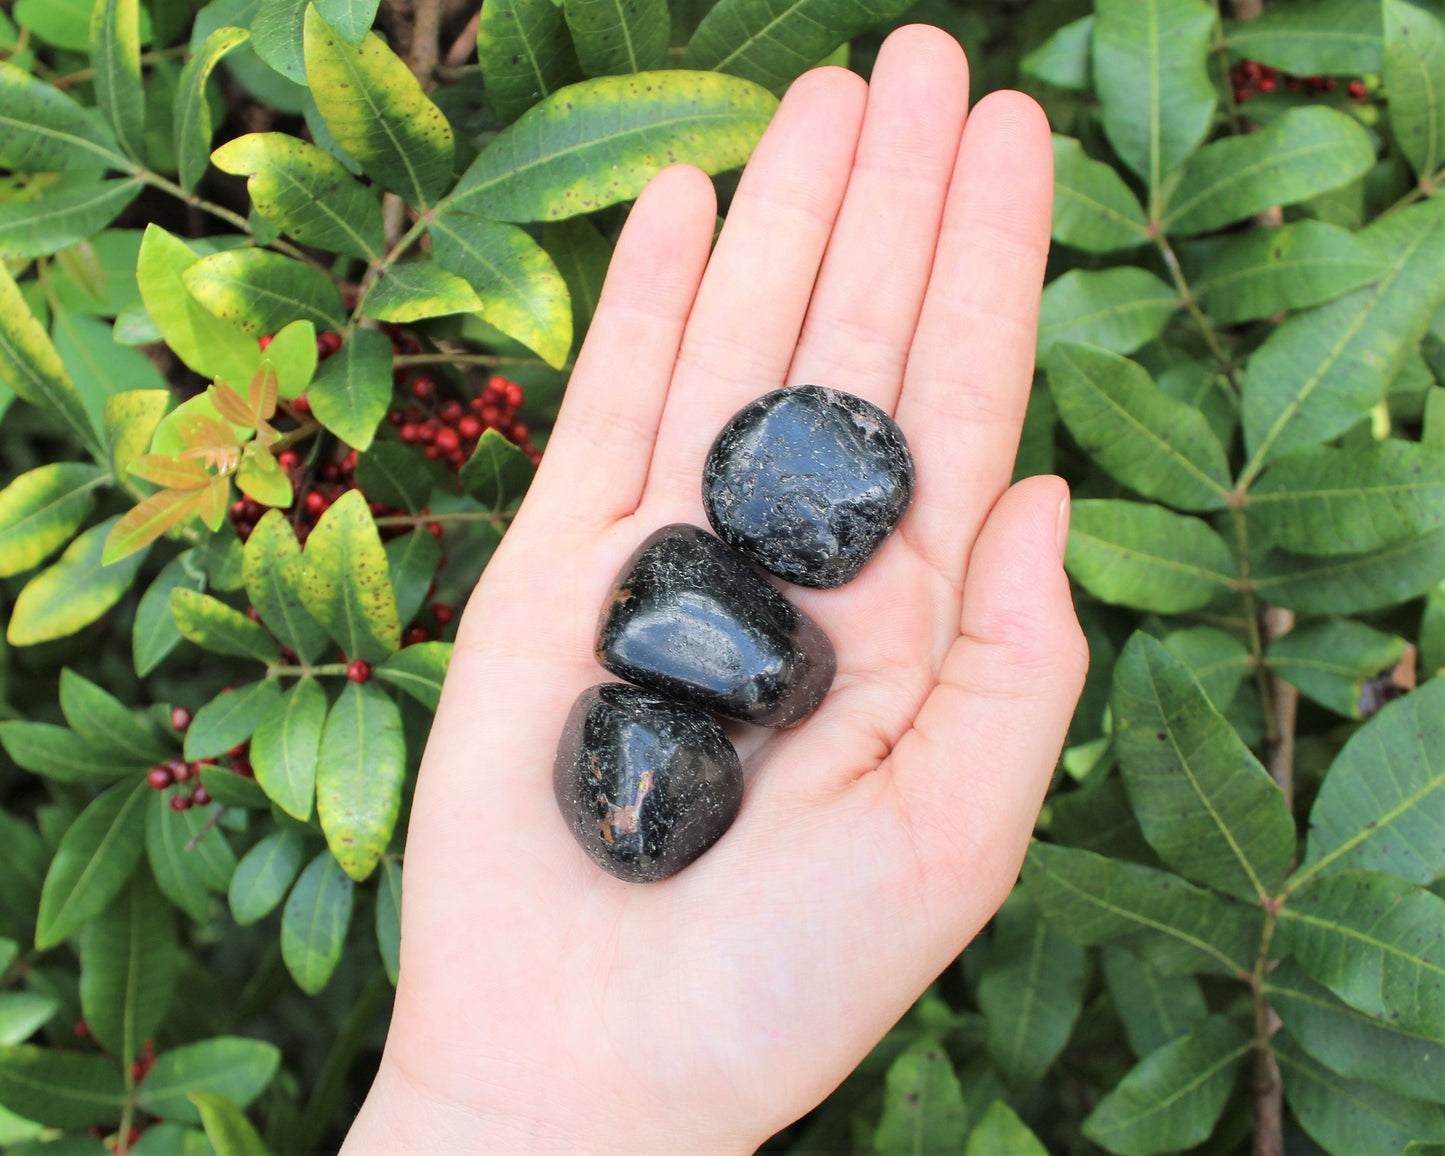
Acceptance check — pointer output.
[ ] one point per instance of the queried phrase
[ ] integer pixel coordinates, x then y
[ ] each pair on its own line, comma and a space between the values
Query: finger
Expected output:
968, 375
971, 774
597, 458
870, 289
744, 326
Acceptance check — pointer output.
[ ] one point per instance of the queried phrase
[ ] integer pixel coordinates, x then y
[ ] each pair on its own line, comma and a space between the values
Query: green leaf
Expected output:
173, 867
351, 18
412, 562
43, 131
416, 290
395, 474
1347, 1115
115, 57
72, 593
1119, 309
292, 354
264, 875
359, 777
618, 36
1350, 1042
923, 1105
1217, 659
419, 670
60, 1089
353, 387
1382, 804
1351, 583
199, 846
525, 54
498, 473
1030, 991
388, 918
773, 42
377, 112
128, 420
1154, 1008
229, 719
99, 367
581, 255
231, 789
23, 1013
230, 1066
227, 1129
1161, 447
1377, 942
1321, 371
272, 569
1415, 82
196, 335
277, 32
1173, 926
1063, 60
60, 754
1151, 74
128, 963
1172, 1098
214, 626
1304, 153
155, 633
599, 142
192, 111
518, 288
1204, 801
106, 725
313, 925
96, 857
1094, 210
306, 192
260, 292
40, 511
1348, 500
999, 1132
286, 746
1262, 272
162, 1139
60, 219
1142, 555
345, 583
1331, 662
31, 368
1339, 37
23, 862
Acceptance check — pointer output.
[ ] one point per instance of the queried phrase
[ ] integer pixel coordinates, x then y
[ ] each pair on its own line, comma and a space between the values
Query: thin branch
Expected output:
207, 829
487, 359
426, 30
1285, 700
1186, 295
466, 43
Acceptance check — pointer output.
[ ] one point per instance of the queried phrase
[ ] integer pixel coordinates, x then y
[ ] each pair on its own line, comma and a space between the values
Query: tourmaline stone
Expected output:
646, 784
808, 482
691, 618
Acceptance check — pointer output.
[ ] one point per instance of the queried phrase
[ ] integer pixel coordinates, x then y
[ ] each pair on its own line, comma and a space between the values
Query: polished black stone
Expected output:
692, 619
808, 482
646, 784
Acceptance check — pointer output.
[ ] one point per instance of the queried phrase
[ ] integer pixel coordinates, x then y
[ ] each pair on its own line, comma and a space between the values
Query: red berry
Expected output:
470, 428
288, 459
183, 772
180, 802
265, 342
450, 412
442, 613
201, 797
1242, 94
331, 472
448, 440
253, 614
513, 394
159, 778
491, 415
315, 503
327, 344
518, 432
239, 750
348, 464
457, 459
413, 636
1268, 84
475, 405
1356, 89
423, 389
82, 1030
427, 431
433, 528
432, 452
301, 404
395, 417
410, 433
358, 671
242, 767
180, 718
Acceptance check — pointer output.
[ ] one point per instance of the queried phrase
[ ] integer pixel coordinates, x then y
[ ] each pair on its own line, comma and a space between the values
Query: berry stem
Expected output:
304, 671
413, 359
495, 517
208, 828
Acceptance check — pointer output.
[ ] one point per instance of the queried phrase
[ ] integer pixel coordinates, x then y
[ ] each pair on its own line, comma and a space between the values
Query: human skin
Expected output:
883, 241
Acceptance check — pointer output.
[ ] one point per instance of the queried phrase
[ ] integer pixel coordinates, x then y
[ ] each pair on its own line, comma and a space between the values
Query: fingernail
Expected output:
1063, 527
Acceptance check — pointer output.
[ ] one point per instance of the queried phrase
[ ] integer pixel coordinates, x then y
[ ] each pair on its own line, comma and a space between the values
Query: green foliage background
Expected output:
1237, 882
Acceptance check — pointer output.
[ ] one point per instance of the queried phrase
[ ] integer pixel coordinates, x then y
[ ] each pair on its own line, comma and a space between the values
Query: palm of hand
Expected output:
544, 1001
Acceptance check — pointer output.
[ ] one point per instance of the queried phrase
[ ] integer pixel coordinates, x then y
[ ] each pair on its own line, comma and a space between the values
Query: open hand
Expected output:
879, 243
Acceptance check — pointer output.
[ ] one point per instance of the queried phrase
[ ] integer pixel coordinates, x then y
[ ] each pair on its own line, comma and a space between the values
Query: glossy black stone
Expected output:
692, 619
646, 784
808, 482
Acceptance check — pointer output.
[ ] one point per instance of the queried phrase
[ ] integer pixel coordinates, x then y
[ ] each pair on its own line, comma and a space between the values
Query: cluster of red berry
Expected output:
178, 771
448, 431
1250, 78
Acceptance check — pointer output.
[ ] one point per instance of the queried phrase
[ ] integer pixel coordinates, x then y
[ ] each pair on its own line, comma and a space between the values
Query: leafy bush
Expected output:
280, 400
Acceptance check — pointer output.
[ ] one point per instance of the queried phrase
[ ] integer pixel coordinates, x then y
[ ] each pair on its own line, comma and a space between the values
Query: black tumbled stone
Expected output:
808, 482
691, 618
646, 784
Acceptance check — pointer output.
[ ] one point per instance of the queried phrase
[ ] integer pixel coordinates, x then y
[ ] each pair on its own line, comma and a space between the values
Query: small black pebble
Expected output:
808, 482
646, 784
691, 618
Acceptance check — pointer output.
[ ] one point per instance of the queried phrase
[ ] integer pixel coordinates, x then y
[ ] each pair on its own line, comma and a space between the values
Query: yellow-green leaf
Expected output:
43, 131
345, 582
192, 111
416, 290
72, 593
286, 745
272, 572
115, 57
359, 776
419, 670
214, 626
313, 925
227, 1128
261, 292
41, 509
130, 421
524, 52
